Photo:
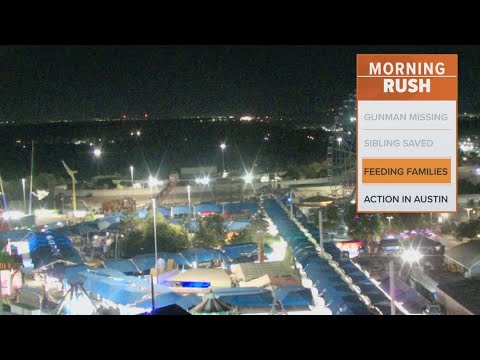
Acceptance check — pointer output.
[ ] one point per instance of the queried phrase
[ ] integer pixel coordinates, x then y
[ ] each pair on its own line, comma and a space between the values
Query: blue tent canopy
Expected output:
147, 261
246, 249
245, 297
144, 262
208, 208
164, 211
125, 266
236, 225
14, 235
161, 300
142, 213
181, 210
189, 301
239, 207
338, 296
48, 247
294, 295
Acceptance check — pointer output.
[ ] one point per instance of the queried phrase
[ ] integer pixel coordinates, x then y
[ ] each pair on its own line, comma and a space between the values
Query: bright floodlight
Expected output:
411, 256
223, 146
248, 178
152, 181
97, 152
138, 133
205, 180
339, 140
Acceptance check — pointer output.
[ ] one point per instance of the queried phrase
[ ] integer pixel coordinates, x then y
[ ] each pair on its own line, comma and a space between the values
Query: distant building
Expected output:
460, 297
465, 258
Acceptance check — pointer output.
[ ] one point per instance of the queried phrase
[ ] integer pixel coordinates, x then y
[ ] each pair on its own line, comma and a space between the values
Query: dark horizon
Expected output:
46, 83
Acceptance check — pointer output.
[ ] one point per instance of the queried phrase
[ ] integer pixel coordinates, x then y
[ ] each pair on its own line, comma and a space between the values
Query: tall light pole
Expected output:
223, 146
131, 174
24, 196
97, 153
389, 218
339, 140
31, 181
320, 227
391, 267
468, 212
154, 209
189, 201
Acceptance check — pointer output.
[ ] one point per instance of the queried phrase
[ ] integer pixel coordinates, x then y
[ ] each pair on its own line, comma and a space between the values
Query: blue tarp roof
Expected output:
13, 235
245, 297
236, 225
161, 300
207, 208
142, 213
164, 211
294, 295
126, 290
246, 249
122, 265
189, 301
181, 210
44, 252
239, 207
109, 284
338, 296
147, 261
144, 262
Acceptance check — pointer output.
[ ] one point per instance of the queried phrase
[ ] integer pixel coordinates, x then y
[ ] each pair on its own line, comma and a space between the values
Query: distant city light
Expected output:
138, 133
223, 146
246, 118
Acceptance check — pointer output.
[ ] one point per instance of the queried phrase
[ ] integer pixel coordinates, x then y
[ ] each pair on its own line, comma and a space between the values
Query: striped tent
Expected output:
212, 306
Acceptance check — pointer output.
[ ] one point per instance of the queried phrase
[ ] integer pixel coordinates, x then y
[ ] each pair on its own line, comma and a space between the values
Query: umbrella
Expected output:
212, 306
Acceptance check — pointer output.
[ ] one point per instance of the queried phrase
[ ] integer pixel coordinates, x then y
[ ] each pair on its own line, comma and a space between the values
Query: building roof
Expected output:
250, 271
216, 277
466, 292
467, 254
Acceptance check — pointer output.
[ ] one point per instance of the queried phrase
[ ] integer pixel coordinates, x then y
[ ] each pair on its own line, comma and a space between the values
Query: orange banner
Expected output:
406, 171
407, 77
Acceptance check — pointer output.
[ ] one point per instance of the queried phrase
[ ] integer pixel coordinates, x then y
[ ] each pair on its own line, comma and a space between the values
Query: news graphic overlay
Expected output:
407, 133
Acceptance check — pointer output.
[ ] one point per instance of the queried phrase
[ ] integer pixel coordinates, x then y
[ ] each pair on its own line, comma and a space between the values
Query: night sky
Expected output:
41, 83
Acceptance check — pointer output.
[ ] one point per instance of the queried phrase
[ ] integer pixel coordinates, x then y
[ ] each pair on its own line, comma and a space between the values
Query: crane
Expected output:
72, 173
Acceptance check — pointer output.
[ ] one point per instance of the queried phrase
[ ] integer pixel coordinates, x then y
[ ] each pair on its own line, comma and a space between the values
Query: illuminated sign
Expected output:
406, 133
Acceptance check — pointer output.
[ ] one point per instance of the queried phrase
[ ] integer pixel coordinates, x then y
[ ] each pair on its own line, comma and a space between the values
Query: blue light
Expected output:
196, 284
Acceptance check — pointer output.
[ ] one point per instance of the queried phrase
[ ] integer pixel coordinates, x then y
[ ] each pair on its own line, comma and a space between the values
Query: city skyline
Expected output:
48, 83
